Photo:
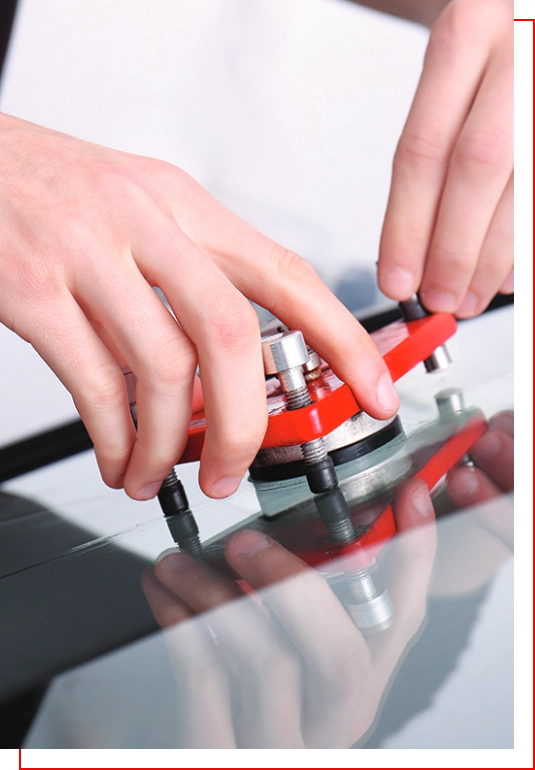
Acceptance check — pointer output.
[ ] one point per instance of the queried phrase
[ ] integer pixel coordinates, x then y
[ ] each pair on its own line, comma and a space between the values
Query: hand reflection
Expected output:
491, 476
473, 547
287, 667
493, 472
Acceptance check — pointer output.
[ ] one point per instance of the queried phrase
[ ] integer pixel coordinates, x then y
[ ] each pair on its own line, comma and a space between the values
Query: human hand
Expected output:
86, 233
491, 477
289, 669
474, 546
448, 230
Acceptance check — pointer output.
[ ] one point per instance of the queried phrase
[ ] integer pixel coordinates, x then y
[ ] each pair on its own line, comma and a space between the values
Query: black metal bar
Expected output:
43, 449
7, 16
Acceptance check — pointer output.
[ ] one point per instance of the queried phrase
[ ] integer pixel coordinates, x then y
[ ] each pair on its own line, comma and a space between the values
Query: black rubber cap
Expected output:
183, 527
321, 476
173, 499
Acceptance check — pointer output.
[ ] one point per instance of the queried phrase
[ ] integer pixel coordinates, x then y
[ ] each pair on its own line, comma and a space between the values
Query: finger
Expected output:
508, 285
163, 360
289, 287
335, 653
285, 284
165, 605
61, 334
225, 331
504, 421
480, 167
454, 62
269, 672
407, 567
470, 486
494, 453
495, 260
204, 709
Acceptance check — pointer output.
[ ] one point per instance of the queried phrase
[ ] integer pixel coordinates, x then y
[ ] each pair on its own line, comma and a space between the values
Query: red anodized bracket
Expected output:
361, 552
365, 548
403, 346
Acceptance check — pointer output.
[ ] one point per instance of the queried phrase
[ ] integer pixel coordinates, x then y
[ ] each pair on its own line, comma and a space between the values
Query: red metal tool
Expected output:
402, 345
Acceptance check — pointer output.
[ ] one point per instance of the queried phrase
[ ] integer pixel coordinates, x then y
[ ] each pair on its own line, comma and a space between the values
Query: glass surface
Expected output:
404, 643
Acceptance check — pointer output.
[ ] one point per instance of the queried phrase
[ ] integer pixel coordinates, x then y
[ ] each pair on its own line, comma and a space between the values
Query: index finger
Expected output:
286, 285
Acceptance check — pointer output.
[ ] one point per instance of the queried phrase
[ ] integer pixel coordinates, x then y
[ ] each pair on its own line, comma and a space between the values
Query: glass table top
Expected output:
113, 639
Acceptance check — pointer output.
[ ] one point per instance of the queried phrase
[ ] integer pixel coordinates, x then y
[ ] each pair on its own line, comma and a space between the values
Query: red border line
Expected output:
531, 20
20, 766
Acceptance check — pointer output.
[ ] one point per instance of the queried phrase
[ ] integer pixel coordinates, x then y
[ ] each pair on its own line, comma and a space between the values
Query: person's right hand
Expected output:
86, 232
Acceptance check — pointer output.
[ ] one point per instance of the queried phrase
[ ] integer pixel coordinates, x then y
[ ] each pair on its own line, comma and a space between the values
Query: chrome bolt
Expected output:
372, 611
285, 354
412, 310
450, 403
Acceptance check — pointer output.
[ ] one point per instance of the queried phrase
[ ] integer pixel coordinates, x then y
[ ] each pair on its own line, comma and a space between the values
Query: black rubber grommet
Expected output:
173, 499
321, 476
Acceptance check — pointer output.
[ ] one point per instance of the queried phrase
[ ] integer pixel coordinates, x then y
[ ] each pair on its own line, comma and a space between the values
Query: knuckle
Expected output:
245, 445
233, 322
346, 667
482, 152
425, 147
452, 263
450, 24
294, 270
461, 19
167, 172
282, 663
158, 458
105, 389
173, 363
489, 274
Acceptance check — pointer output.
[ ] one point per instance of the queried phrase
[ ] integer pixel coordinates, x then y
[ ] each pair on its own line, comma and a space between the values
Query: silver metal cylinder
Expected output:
312, 368
293, 381
373, 616
283, 352
438, 360
413, 310
450, 403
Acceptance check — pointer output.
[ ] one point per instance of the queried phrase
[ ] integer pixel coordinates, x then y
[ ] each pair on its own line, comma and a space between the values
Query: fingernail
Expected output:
421, 501
175, 562
386, 394
464, 482
249, 542
164, 554
398, 282
225, 487
469, 304
439, 301
487, 447
149, 491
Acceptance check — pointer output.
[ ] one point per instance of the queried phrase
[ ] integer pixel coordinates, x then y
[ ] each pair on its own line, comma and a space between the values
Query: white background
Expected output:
286, 110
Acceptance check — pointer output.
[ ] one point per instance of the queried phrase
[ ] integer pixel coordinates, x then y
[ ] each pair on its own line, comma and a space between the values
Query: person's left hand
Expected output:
289, 670
448, 230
